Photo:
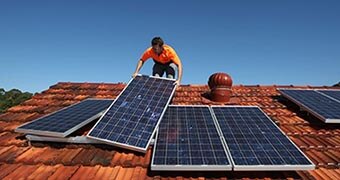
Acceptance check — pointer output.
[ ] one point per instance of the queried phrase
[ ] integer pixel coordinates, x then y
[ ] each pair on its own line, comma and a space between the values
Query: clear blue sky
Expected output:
256, 42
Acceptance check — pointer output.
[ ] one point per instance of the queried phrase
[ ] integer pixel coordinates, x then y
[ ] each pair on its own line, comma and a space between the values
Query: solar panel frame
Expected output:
227, 167
73, 139
127, 146
264, 167
306, 108
19, 129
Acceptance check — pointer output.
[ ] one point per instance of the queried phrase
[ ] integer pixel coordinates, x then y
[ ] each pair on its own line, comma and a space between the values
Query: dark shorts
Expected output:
159, 69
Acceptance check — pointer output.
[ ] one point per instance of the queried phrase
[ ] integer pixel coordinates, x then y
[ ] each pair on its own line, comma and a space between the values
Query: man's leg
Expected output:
158, 70
171, 70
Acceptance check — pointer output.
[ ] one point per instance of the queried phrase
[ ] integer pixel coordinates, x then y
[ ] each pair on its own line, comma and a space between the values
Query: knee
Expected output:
170, 76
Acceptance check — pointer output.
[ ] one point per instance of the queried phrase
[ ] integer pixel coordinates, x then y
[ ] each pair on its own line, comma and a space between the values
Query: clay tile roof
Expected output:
19, 158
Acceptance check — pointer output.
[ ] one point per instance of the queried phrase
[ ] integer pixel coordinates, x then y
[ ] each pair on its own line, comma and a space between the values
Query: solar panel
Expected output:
67, 120
255, 142
187, 139
331, 93
319, 105
131, 120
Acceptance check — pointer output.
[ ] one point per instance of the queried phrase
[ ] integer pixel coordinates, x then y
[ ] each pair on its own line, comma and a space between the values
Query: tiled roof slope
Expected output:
319, 141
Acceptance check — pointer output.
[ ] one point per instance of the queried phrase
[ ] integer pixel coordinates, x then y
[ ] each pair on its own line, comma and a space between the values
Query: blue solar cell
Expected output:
321, 106
67, 120
132, 119
187, 139
255, 142
332, 93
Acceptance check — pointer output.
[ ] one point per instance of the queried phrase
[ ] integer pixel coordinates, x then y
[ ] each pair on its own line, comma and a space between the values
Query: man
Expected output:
165, 58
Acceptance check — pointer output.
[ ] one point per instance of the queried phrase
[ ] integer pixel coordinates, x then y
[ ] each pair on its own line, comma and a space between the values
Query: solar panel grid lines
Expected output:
212, 136
225, 139
66, 120
130, 122
219, 130
334, 95
317, 103
308, 164
256, 143
187, 139
331, 93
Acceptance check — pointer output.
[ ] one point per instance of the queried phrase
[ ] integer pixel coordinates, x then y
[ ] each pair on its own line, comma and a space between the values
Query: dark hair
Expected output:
157, 41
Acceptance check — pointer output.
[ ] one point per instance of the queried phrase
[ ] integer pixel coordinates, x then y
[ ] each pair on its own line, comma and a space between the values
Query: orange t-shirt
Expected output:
168, 54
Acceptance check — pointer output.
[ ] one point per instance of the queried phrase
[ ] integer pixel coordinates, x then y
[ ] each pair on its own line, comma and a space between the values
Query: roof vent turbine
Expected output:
220, 87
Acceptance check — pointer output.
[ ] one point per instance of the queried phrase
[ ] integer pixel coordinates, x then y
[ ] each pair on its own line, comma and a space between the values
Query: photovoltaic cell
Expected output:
131, 120
187, 139
332, 93
66, 120
255, 142
318, 104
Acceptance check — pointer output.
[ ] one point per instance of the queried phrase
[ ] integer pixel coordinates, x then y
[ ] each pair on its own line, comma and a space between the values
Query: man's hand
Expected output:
177, 82
134, 75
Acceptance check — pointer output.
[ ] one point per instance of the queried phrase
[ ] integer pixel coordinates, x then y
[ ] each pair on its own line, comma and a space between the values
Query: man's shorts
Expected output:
159, 69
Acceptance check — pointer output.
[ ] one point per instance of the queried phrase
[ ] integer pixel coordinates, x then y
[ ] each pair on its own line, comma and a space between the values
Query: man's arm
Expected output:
175, 59
179, 73
139, 65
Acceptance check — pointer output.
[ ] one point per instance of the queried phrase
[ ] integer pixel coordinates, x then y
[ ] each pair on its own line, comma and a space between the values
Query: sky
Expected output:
262, 42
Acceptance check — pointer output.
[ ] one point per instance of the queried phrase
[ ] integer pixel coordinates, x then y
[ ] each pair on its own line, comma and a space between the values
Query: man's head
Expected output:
157, 45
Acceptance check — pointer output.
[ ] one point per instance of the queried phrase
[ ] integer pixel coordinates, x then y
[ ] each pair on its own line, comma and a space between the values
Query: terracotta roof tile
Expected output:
8, 126
128, 162
102, 157
122, 159
43, 172
48, 156
85, 172
10, 153
10, 138
291, 120
85, 156
21, 171
4, 149
105, 173
137, 173
116, 173
323, 173
320, 142
124, 173
30, 155
324, 158
131, 159
63, 172
128, 173
17, 116
6, 169
70, 154
305, 175
307, 129
116, 158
